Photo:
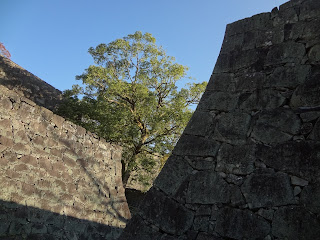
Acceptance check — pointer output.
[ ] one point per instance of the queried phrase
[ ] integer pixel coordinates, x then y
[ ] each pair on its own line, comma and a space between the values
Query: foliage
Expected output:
131, 98
4, 52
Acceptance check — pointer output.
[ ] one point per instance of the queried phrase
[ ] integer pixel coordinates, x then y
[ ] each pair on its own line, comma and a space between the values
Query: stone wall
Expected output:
248, 164
57, 180
20, 80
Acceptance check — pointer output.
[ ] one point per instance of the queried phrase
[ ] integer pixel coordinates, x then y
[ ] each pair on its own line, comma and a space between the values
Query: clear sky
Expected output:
50, 38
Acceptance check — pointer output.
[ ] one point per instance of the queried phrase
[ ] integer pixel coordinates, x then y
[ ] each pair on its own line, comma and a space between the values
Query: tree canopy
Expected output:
130, 96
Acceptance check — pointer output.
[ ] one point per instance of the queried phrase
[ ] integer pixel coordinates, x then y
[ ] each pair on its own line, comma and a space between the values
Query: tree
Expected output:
4, 52
131, 98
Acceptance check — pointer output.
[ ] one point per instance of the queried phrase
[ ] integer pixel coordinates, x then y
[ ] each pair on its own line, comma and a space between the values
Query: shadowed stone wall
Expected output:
57, 180
248, 164
20, 80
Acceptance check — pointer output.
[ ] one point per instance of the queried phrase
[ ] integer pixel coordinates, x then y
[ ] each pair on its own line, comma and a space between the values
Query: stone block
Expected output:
6, 142
5, 124
46, 114
315, 134
309, 10
236, 159
287, 14
39, 127
257, 22
288, 77
201, 223
268, 190
307, 94
298, 181
298, 158
6, 104
236, 196
221, 82
25, 111
38, 228
38, 141
266, 213
314, 54
201, 163
241, 224
139, 230
248, 82
200, 123
295, 223
189, 145
310, 198
21, 136
232, 128
57, 120
309, 116
21, 148
232, 43
234, 179
207, 187
261, 99
296, 191
45, 163
4, 226
168, 182
166, 213
289, 52
276, 126
207, 236
21, 167
219, 101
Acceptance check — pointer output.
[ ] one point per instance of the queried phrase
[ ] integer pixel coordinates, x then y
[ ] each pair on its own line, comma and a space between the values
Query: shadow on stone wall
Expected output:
18, 79
59, 169
23, 222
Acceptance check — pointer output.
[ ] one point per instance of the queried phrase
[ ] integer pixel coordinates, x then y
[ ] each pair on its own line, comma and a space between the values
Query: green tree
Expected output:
131, 98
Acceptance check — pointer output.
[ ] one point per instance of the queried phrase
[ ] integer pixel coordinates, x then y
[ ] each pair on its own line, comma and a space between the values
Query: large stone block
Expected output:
309, 10
221, 82
289, 52
207, 187
220, 101
248, 82
232, 127
295, 223
288, 77
315, 134
257, 22
174, 173
261, 99
189, 145
200, 124
307, 94
253, 59
268, 190
241, 224
166, 213
236, 159
310, 198
276, 126
299, 158
140, 230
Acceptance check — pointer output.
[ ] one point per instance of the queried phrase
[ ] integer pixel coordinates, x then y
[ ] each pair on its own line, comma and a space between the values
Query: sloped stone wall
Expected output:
248, 164
57, 180
22, 81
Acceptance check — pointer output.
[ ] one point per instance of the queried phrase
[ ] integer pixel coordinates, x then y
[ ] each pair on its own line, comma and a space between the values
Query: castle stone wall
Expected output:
248, 164
57, 180
22, 81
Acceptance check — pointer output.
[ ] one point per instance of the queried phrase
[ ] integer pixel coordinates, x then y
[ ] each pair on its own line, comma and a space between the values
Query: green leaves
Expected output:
131, 97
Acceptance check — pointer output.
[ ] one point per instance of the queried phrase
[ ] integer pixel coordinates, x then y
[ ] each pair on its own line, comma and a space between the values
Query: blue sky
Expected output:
50, 38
